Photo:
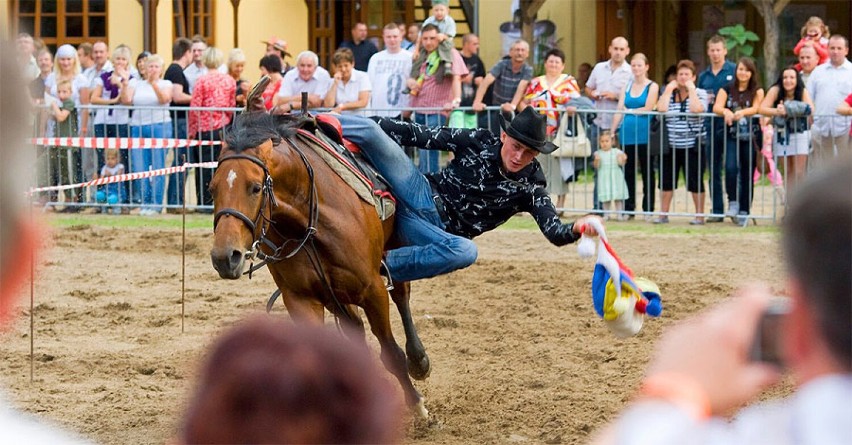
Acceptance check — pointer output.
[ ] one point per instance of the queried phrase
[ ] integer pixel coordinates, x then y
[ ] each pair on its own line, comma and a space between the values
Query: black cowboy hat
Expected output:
530, 129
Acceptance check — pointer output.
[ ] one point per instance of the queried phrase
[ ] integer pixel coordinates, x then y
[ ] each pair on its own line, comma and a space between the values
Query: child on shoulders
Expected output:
65, 161
446, 32
815, 33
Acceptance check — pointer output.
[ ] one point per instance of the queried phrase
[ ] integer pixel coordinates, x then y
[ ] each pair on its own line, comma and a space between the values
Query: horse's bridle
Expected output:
266, 195
264, 222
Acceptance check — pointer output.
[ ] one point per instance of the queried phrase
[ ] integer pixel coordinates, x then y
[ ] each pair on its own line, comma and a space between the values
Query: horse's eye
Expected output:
256, 188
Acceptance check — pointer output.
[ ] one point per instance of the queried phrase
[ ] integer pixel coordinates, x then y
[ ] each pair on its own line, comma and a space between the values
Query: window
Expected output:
61, 21
194, 17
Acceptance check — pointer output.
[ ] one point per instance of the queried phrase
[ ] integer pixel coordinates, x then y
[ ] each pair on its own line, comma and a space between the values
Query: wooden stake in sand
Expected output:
183, 250
32, 300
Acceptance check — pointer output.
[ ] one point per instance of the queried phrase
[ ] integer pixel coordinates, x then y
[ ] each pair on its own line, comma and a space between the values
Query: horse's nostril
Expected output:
236, 257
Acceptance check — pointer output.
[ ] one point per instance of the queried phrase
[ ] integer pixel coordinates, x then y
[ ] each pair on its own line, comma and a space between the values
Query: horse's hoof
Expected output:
419, 370
419, 409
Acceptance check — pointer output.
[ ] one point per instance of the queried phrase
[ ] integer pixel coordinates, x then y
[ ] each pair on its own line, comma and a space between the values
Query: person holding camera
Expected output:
708, 366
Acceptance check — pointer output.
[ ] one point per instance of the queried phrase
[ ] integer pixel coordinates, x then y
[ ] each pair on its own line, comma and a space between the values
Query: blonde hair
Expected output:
75, 69
640, 56
212, 57
154, 58
109, 152
236, 56
63, 83
123, 51
816, 21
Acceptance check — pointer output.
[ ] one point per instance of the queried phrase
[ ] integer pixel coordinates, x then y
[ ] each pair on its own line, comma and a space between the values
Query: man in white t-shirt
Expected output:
308, 77
196, 69
388, 70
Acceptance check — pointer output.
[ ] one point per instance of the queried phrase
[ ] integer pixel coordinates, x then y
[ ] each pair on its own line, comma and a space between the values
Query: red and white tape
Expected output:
126, 177
131, 143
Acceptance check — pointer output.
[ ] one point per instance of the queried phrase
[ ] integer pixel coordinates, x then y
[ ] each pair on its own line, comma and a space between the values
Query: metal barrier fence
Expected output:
718, 163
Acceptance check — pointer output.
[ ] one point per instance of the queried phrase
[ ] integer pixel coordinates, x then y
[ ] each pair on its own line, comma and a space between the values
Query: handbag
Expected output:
571, 139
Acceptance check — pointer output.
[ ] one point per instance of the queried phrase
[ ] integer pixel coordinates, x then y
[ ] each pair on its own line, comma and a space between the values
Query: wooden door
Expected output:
634, 20
322, 32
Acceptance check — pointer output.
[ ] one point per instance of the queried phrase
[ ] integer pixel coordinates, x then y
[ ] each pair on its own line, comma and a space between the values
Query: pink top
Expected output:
821, 48
270, 92
215, 90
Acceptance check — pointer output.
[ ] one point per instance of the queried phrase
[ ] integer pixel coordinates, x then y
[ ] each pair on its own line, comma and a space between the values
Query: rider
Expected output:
489, 180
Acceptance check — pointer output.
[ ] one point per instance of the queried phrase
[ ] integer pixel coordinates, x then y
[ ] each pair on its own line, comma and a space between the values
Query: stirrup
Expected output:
386, 275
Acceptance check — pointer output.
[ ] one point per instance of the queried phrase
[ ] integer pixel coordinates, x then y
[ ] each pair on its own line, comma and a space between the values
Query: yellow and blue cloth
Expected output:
620, 298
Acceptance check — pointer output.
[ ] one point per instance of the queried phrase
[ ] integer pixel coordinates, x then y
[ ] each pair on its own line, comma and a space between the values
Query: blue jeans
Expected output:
740, 160
149, 191
732, 167
428, 250
176, 179
429, 158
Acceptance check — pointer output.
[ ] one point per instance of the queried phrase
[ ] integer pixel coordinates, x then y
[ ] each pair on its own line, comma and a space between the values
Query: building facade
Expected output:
665, 30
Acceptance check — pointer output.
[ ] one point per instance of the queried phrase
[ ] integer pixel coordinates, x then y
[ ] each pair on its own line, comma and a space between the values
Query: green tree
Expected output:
770, 10
739, 40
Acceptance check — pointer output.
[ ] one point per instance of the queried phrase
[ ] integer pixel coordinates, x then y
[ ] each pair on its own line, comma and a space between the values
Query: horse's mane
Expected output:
251, 129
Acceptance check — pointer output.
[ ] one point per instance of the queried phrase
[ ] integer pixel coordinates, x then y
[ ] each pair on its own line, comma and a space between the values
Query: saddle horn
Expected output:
254, 100
304, 102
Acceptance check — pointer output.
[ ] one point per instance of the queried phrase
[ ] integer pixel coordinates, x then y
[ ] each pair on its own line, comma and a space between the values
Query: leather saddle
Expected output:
328, 130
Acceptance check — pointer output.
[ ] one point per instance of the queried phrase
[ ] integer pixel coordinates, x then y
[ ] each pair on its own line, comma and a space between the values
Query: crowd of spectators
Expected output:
418, 69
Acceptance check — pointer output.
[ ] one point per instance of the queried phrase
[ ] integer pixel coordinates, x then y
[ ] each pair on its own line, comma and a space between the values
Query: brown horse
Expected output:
275, 198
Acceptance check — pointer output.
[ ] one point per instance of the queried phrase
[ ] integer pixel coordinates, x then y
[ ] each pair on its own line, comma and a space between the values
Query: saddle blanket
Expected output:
330, 152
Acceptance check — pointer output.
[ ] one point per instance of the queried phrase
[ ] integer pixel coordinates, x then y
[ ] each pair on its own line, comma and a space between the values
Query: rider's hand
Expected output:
581, 225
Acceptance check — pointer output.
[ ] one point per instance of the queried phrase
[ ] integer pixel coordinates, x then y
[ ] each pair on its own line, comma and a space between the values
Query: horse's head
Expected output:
243, 198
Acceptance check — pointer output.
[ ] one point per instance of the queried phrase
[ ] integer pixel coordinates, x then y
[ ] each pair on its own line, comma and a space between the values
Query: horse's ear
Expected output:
254, 100
264, 151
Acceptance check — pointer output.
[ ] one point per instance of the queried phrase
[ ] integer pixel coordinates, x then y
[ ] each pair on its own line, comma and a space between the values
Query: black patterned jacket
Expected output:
478, 193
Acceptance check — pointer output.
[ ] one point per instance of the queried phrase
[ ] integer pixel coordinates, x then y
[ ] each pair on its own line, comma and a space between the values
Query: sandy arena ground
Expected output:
518, 354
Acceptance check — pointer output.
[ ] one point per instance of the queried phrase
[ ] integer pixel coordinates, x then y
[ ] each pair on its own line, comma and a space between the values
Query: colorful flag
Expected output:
619, 297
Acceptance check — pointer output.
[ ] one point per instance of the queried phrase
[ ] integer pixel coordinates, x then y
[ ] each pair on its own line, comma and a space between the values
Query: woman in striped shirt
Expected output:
686, 136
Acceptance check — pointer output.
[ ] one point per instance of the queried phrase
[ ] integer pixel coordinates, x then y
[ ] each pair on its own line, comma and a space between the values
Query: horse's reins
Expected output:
268, 197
